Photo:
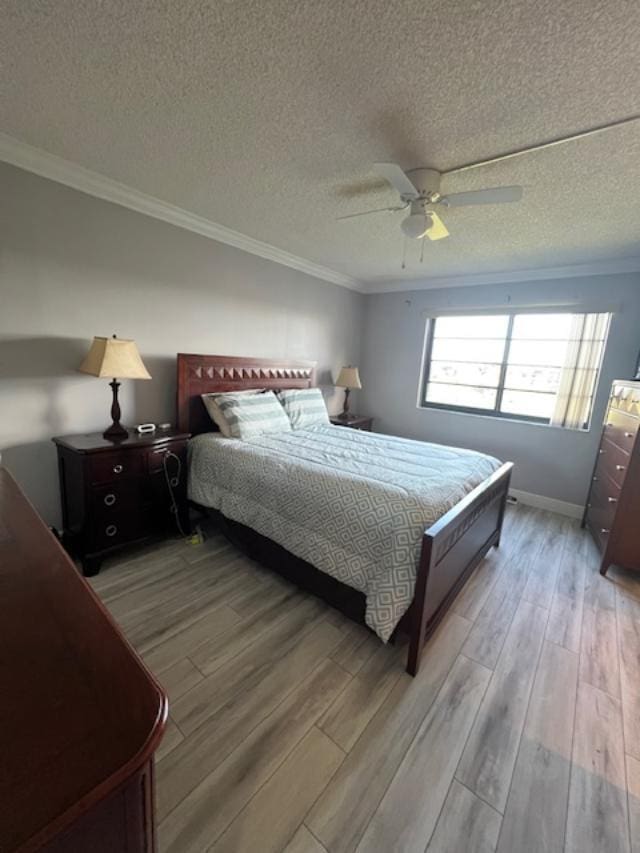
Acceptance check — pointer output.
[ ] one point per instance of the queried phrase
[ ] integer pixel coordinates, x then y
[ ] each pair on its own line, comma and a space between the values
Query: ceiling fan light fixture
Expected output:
416, 225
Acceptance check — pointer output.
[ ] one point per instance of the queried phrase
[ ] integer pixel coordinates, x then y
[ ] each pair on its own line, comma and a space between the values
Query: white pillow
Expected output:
251, 415
211, 403
305, 407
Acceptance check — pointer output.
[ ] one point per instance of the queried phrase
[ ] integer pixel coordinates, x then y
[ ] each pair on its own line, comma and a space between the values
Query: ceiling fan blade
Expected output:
438, 230
399, 181
367, 212
496, 195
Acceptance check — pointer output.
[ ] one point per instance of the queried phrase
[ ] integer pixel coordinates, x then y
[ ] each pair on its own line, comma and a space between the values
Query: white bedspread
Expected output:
353, 504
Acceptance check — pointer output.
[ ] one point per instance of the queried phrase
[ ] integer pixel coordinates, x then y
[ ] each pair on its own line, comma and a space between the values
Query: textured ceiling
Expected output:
265, 116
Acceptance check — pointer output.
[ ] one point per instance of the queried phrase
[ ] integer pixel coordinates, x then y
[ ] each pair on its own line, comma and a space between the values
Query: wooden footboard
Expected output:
451, 549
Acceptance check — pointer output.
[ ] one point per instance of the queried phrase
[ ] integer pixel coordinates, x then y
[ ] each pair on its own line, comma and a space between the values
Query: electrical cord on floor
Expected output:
173, 483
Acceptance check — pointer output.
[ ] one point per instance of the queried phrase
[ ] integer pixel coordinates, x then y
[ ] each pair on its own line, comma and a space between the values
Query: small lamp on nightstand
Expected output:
348, 378
119, 359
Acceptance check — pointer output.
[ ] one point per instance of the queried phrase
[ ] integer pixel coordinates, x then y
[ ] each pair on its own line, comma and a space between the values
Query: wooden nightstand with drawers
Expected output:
116, 493
353, 422
613, 506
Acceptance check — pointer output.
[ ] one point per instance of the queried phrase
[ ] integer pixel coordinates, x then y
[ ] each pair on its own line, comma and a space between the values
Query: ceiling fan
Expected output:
419, 191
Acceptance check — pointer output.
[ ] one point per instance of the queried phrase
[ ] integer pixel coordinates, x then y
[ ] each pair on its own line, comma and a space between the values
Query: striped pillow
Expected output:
305, 407
253, 415
211, 404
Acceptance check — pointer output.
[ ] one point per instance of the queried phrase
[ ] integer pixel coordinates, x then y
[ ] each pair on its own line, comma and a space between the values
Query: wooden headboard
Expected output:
202, 374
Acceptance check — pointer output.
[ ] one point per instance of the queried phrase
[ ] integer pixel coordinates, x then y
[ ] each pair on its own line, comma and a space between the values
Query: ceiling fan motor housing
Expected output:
427, 182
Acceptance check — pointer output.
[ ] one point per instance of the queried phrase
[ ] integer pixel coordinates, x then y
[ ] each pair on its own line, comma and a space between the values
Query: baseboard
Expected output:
550, 504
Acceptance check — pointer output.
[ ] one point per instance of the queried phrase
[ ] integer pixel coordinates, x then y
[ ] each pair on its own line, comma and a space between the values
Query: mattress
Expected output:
353, 504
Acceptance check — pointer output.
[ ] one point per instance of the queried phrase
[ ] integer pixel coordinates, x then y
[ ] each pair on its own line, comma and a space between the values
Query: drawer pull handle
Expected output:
117, 469
619, 467
111, 530
110, 499
604, 530
613, 500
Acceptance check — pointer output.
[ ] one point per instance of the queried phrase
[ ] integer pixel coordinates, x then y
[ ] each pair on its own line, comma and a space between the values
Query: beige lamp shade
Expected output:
348, 378
116, 358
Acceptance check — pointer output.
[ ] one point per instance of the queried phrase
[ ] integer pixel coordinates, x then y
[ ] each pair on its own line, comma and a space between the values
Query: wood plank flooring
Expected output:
294, 730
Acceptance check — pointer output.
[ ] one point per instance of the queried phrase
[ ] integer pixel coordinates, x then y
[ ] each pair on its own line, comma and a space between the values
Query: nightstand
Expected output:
353, 422
116, 493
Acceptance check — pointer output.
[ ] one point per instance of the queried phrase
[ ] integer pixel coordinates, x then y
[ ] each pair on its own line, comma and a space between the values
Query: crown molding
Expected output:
55, 168
607, 267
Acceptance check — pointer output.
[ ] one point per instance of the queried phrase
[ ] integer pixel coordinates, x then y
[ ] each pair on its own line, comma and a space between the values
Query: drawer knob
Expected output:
601, 452
111, 530
595, 479
619, 467
628, 435
110, 499
604, 530
117, 469
613, 500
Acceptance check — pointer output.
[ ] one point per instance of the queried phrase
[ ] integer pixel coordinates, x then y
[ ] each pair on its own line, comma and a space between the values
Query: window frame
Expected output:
423, 403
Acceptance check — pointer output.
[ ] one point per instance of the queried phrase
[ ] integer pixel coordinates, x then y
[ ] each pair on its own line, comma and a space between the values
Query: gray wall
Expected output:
72, 266
549, 461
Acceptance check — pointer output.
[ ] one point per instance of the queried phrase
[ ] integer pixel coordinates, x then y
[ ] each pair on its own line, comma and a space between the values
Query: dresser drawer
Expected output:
156, 457
117, 528
603, 502
612, 462
111, 467
601, 510
605, 486
599, 531
621, 429
105, 500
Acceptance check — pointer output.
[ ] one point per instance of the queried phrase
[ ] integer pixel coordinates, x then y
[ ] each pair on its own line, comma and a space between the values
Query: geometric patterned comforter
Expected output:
353, 504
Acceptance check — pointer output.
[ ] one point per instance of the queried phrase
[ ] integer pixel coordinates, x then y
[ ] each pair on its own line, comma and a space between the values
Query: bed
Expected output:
385, 528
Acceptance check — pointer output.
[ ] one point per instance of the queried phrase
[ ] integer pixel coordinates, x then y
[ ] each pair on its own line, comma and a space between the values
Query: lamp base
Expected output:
116, 431
344, 414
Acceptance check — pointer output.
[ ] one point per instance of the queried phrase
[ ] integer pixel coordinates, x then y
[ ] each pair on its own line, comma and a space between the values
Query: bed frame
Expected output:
451, 548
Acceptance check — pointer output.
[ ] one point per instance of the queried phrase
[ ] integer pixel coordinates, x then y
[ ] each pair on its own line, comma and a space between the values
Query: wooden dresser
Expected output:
80, 716
612, 513
115, 493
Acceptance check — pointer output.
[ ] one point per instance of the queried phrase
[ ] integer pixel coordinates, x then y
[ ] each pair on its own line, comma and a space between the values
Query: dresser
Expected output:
612, 513
80, 716
116, 493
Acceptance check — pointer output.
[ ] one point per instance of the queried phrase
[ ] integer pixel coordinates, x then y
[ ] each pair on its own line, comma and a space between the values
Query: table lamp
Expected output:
348, 378
120, 359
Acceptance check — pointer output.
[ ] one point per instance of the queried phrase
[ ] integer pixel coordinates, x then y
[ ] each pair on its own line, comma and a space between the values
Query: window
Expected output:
535, 367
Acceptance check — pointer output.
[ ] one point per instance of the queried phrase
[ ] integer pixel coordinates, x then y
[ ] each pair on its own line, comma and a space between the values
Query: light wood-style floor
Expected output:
294, 730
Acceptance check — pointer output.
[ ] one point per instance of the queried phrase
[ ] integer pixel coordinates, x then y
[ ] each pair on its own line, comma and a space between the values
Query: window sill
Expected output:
502, 419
